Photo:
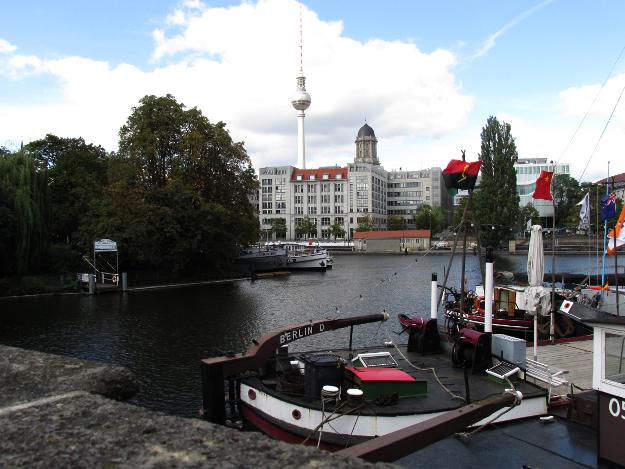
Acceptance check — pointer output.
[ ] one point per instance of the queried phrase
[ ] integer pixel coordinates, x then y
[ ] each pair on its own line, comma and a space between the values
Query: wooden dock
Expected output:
576, 357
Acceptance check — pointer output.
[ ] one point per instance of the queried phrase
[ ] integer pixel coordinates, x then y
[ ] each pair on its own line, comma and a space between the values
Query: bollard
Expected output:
91, 284
124, 281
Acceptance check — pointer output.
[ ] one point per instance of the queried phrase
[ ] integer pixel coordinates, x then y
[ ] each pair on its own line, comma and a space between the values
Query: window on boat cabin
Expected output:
614, 357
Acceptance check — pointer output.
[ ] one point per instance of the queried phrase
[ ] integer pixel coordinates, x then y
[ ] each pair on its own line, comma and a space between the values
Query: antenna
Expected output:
301, 42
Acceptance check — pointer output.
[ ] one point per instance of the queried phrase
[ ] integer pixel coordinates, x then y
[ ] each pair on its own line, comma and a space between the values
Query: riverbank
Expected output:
60, 411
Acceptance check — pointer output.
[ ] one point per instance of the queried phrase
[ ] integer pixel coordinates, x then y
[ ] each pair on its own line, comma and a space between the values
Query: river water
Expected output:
161, 335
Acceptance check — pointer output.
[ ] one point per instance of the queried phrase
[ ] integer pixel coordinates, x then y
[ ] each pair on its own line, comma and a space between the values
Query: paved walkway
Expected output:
573, 356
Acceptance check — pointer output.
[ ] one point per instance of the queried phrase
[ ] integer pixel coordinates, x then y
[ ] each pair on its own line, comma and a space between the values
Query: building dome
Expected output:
366, 131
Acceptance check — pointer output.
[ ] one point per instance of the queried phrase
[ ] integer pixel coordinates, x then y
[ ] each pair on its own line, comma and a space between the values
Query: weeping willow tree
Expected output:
24, 210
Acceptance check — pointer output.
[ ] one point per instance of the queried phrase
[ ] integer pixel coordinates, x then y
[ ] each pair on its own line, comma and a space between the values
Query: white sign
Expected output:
105, 245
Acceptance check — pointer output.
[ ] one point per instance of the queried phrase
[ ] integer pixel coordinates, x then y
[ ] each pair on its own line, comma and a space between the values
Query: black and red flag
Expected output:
461, 174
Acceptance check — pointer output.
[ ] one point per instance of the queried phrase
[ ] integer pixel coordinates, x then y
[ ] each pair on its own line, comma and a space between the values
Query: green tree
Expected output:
395, 222
496, 200
77, 177
337, 230
528, 212
179, 191
24, 214
278, 227
566, 194
306, 227
459, 211
430, 218
365, 223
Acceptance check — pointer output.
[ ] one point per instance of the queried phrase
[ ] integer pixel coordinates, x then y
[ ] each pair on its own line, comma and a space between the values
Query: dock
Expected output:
575, 356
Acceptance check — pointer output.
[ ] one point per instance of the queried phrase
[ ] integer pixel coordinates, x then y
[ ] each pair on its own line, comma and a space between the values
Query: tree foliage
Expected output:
337, 230
306, 227
278, 227
430, 218
528, 212
566, 194
496, 200
395, 222
365, 223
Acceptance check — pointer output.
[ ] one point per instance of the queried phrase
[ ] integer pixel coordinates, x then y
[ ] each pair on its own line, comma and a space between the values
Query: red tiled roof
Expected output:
617, 178
391, 234
331, 172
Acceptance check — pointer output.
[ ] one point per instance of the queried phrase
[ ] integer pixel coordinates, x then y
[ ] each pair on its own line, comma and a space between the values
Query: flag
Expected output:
608, 209
584, 211
620, 233
543, 186
461, 174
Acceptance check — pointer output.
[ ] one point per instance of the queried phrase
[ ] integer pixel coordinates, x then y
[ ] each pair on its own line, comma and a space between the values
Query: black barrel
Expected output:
321, 369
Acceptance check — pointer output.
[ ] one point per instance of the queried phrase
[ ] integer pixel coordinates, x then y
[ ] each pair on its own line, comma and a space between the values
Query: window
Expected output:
325, 221
325, 176
299, 210
299, 199
267, 190
338, 187
312, 210
325, 187
311, 177
338, 209
338, 176
299, 177
299, 188
338, 220
312, 199
312, 188
325, 199
266, 182
338, 198
614, 358
325, 209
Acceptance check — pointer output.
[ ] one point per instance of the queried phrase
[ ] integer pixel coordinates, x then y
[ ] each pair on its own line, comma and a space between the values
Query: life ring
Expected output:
114, 278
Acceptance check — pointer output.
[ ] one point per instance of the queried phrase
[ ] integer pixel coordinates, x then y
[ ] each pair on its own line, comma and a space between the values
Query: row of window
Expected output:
313, 177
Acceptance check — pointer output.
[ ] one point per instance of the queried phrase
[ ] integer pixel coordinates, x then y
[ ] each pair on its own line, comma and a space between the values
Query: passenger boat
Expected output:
305, 258
338, 398
262, 259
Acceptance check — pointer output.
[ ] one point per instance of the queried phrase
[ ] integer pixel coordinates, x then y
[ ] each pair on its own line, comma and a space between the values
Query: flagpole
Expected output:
553, 267
605, 230
615, 257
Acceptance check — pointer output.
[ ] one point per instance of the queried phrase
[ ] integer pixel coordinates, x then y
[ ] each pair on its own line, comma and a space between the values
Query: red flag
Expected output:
461, 174
543, 186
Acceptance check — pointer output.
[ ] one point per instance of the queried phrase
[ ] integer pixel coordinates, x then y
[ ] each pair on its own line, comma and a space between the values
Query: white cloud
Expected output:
239, 65
6, 46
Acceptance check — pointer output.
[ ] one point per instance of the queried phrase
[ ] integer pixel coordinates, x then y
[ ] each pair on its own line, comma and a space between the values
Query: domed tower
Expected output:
366, 146
301, 102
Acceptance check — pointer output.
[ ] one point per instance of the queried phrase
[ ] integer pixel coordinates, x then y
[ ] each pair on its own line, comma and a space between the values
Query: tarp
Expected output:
537, 299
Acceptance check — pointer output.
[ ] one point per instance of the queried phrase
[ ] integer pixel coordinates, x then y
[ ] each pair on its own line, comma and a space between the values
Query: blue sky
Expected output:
426, 75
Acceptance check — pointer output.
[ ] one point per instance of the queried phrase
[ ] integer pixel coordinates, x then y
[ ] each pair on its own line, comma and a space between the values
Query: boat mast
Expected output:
605, 231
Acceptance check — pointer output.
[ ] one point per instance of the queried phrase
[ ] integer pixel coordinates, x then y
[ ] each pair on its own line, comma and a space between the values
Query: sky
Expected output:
424, 75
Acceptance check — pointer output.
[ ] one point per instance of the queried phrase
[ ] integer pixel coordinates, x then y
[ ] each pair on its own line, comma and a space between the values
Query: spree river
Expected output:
161, 335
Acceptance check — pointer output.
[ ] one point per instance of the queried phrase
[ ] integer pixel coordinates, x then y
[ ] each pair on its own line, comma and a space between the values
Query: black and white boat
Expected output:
262, 259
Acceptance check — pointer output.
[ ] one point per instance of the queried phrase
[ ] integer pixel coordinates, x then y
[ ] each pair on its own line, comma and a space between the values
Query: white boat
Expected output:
307, 259
263, 258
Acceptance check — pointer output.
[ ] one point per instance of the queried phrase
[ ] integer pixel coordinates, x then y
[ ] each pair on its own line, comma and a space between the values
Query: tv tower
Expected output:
301, 102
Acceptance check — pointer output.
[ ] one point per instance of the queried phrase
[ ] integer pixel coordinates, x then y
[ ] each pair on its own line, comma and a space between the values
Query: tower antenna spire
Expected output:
301, 100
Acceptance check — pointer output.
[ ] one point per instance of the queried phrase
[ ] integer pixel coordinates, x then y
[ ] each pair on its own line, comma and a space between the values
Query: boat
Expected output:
302, 257
262, 259
345, 396
509, 315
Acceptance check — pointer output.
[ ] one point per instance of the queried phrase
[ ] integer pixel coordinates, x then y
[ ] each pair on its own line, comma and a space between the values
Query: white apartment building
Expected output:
347, 194
527, 171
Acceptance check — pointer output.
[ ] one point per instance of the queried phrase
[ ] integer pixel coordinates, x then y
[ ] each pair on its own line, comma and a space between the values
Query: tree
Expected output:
395, 222
278, 226
528, 212
180, 195
77, 176
430, 218
460, 211
305, 227
365, 223
337, 230
496, 200
566, 194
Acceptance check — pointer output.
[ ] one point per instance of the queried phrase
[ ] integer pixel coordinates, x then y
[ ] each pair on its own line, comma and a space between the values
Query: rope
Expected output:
432, 369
